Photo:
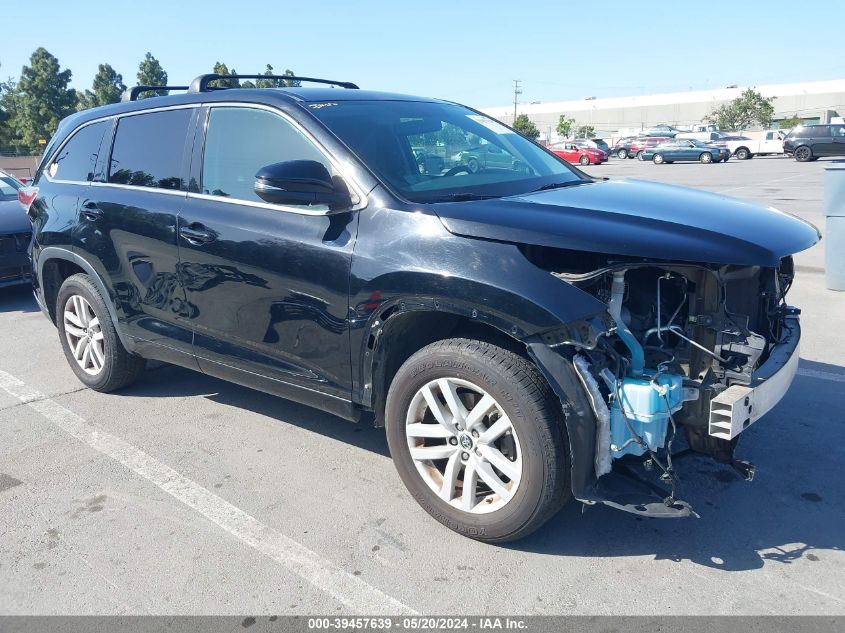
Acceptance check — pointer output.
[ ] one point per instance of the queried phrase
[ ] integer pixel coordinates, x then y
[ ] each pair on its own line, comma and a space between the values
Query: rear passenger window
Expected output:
240, 141
78, 157
148, 149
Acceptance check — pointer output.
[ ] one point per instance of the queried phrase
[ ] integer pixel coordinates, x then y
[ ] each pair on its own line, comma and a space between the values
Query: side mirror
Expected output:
301, 182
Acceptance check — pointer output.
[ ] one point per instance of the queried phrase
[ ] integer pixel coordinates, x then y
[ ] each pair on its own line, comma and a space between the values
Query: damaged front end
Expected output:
695, 349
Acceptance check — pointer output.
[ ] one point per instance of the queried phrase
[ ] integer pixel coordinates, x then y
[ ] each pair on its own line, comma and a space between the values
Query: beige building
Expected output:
815, 102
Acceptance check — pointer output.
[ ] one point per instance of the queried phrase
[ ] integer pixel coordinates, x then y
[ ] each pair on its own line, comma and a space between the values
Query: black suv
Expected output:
811, 142
525, 333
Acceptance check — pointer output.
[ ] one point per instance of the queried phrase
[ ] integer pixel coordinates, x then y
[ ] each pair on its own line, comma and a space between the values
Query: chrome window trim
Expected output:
46, 171
353, 184
118, 185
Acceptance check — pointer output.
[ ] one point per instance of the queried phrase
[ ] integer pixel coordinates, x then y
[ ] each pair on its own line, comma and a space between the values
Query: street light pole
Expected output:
516, 93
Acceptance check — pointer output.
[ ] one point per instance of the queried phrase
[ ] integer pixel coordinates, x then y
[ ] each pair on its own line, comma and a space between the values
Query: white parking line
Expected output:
822, 375
350, 590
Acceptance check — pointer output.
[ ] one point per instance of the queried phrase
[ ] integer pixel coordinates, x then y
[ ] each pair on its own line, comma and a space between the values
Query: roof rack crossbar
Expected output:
200, 84
131, 94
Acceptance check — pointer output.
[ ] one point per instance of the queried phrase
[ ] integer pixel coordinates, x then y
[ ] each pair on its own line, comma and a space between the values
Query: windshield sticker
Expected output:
490, 124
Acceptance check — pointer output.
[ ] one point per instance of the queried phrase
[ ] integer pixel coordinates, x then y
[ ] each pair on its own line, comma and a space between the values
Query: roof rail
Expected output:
131, 94
200, 84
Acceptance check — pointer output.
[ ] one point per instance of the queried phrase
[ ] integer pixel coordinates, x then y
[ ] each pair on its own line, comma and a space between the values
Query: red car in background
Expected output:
572, 153
638, 146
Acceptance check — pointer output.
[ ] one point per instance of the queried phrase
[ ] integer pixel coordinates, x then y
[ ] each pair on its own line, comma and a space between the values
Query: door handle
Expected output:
91, 211
196, 234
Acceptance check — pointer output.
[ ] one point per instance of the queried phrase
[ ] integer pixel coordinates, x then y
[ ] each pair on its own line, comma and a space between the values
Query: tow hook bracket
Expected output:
746, 469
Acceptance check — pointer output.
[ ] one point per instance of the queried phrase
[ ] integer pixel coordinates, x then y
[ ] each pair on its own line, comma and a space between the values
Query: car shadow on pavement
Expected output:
792, 510
17, 299
168, 381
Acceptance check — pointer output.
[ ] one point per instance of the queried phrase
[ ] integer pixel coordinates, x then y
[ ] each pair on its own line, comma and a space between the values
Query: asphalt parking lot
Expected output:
187, 495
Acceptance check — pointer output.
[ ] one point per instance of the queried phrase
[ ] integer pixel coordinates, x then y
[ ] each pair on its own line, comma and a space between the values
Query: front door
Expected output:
267, 286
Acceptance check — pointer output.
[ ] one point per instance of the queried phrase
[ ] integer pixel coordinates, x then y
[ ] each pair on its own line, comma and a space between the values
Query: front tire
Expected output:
584, 160
478, 439
622, 153
473, 166
706, 157
89, 339
658, 159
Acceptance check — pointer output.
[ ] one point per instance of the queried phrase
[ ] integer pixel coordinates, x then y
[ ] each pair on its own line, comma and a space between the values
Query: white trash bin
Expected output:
834, 234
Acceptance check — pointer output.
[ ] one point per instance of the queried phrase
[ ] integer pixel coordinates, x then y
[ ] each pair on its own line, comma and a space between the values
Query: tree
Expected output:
747, 110
276, 83
585, 131
39, 100
564, 126
150, 73
6, 87
791, 122
221, 69
108, 87
526, 127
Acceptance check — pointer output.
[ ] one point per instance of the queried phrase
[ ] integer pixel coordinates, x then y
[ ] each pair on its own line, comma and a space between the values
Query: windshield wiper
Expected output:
459, 197
561, 185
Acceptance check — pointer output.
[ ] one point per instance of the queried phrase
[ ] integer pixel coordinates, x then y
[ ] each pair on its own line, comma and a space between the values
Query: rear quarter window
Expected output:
77, 158
815, 131
148, 149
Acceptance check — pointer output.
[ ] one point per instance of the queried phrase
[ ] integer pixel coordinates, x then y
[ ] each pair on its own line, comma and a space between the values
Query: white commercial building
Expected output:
814, 102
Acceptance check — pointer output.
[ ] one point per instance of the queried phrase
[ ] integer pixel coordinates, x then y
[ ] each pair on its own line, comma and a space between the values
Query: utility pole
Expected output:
516, 93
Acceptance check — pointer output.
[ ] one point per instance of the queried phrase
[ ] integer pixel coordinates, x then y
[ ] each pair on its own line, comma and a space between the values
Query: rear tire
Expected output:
584, 160
89, 339
622, 153
742, 153
639, 155
478, 389
803, 154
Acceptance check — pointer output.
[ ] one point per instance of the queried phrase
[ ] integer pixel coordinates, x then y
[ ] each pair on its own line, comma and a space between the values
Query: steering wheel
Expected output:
457, 169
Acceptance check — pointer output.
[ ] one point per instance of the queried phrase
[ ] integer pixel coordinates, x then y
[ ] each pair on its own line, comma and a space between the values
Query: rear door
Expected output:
127, 228
822, 142
267, 285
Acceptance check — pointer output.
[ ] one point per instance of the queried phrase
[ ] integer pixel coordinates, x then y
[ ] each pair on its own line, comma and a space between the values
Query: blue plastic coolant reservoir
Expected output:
646, 410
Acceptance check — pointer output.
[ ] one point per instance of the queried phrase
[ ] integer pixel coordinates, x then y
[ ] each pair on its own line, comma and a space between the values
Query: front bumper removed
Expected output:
624, 489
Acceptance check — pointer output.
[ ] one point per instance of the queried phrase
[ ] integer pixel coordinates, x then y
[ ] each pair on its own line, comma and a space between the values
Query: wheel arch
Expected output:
399, 332
55, 264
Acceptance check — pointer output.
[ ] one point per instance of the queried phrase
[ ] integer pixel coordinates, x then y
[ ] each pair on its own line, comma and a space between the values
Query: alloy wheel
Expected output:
463, 445
84, 335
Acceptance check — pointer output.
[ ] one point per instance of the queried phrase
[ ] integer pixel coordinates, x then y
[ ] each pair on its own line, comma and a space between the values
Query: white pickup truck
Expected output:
751, 144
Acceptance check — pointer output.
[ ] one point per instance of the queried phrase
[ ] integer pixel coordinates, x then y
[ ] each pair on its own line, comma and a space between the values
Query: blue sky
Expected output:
463, 51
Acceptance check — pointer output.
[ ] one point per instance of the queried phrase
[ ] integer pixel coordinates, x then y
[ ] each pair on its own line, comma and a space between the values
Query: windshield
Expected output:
9, 188
430, 152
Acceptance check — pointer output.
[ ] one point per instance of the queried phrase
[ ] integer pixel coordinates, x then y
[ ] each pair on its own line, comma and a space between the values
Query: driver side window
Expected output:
240, 141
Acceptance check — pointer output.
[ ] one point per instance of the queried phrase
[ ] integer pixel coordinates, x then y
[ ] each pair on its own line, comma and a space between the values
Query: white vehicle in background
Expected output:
752, 144
704, 137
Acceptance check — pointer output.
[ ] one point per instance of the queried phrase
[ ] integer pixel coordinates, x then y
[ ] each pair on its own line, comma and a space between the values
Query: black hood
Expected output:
639, 219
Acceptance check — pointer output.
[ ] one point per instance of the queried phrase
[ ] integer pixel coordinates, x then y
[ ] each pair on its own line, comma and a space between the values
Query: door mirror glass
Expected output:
301, 182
